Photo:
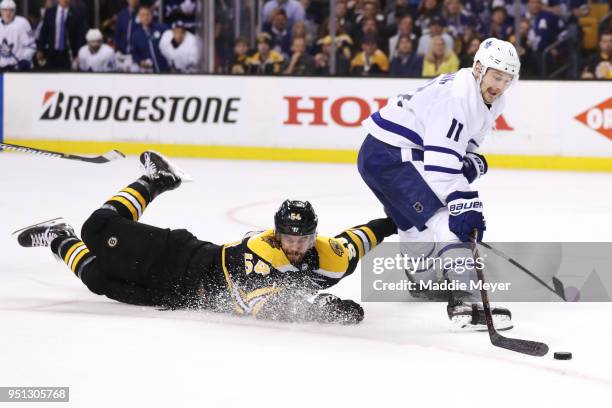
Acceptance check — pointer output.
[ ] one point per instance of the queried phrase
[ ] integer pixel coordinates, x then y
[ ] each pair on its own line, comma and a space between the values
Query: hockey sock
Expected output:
132, 200
73, 252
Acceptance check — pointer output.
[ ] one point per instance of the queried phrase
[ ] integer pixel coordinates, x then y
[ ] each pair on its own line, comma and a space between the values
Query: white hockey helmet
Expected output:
8, 5
93, 34
498, 54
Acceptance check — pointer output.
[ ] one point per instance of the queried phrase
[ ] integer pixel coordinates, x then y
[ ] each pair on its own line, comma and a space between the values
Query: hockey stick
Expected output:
558, 289
104, 158
532, 348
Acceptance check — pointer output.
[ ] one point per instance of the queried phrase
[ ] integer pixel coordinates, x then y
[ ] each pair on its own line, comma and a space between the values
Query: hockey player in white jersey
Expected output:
17, 43
420, 157
180, 48
96, 56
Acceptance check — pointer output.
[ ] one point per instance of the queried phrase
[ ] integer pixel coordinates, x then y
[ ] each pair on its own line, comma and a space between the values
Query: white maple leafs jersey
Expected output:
446, 117
16, 42
102, 61
183, 58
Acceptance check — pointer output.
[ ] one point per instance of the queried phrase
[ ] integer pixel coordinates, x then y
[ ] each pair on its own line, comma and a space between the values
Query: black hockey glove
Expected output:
327, 308
474, 166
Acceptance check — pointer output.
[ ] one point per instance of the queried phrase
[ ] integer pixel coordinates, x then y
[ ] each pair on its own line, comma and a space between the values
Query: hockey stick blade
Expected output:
559, 288
532, 348
104, 158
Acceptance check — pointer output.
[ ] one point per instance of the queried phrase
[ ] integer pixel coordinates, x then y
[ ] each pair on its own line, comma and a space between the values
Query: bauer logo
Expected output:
598, 118
61, 106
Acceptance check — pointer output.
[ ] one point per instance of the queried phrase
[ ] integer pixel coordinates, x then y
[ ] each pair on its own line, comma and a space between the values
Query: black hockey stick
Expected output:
532, 348
558, 289
104, 158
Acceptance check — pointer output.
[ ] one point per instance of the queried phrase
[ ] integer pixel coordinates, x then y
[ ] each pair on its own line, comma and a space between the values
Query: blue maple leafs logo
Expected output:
488, 44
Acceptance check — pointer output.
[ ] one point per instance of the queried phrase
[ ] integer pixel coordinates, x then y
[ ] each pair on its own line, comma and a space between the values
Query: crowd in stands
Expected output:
412, 38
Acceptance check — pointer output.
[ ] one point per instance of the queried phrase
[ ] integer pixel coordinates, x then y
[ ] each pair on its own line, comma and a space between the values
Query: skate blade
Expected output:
463, 323
48, 223
182, 174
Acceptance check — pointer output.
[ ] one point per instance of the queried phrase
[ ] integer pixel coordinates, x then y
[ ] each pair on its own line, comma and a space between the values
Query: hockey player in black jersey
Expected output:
272, 274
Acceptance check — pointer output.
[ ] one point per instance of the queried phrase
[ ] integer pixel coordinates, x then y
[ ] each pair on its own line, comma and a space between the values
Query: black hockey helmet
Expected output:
295, 217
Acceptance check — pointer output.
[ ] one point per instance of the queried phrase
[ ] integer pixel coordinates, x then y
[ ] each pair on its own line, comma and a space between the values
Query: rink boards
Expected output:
547, 124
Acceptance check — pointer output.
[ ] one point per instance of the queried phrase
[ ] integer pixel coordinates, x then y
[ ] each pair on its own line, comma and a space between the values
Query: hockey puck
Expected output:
562, 355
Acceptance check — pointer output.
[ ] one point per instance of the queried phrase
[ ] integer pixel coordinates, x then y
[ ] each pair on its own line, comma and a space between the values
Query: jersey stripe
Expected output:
441, 149
364, 238
441, 169
397, 129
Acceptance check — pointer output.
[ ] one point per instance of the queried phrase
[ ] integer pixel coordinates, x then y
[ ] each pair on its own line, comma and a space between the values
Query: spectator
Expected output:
369, 28
545, 26
439, 59
405, 27
265, 60
457, 18
145, 43
62, 34
180, 10
17, 44
345, 23
180, 48
406, 62
522, 41
299, 31
467, 56
371, 60
279, 33
500, 25
96, 56
568, 10
481, 9
369, 10
396, 10
301, 63
310, 21
427, 10
293, 10
599, 66
124, 27
436, 28
238, 63
344, 44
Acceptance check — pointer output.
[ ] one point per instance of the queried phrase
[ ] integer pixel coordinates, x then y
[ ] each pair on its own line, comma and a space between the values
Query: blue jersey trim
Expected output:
446, 150
441, 169
397, 129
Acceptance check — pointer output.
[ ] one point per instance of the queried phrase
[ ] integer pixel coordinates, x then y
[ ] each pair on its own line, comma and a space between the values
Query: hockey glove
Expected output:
327, 308
474, 166
465, 210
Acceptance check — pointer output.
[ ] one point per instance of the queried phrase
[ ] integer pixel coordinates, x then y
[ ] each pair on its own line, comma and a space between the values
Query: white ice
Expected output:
54, 332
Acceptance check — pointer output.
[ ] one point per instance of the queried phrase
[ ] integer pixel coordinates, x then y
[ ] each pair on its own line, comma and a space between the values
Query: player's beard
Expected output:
488, 97
295, 257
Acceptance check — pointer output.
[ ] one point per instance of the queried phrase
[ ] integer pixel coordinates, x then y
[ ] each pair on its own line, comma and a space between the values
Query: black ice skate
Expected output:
41, 234
163, 175
470, 316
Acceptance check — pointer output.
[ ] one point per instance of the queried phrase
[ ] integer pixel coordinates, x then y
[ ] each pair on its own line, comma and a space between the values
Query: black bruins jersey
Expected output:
256, 270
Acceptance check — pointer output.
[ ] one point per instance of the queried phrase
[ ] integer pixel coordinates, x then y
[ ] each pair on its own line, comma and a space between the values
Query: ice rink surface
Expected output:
53, 332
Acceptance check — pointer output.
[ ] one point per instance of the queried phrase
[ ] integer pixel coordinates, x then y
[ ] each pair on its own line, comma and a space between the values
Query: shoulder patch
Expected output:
336, 247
